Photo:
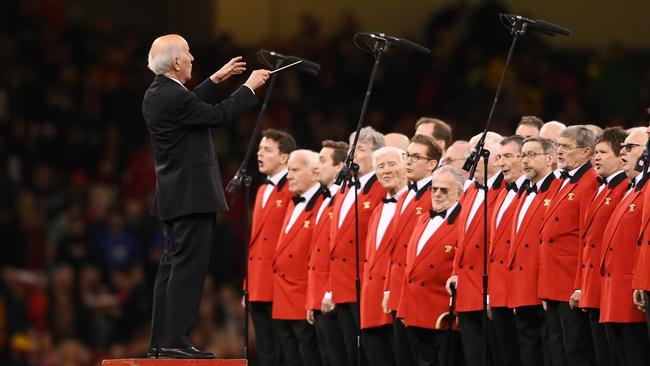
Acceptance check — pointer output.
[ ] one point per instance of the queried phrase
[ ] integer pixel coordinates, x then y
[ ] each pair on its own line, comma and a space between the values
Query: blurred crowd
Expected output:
76, 172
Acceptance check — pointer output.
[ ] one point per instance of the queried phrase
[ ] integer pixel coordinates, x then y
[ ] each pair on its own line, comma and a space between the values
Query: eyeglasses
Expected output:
532, 155
416, 158
629, 147
568, 147
442, 190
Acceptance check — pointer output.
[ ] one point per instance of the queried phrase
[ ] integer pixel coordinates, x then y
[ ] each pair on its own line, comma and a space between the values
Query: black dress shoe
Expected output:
189, 352
153, 352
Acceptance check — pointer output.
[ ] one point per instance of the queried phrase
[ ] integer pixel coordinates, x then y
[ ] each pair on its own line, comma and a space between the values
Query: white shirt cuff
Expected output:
327, 295
386, 293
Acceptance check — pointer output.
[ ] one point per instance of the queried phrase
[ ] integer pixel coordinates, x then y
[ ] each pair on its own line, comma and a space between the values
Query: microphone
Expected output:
305, 65
401, 43
643, 160
539, 25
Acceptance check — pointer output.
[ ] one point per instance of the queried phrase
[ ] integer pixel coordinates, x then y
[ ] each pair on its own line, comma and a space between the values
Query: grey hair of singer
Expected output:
310, 157
370, 136
459, 178
584, 136
548, 147
388, 150
162, 62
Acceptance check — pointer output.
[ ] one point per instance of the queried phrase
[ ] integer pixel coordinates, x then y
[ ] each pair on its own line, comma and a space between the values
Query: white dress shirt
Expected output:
333, 188
509, 198
480, 196
387, 214
300, 207
349, 197
409, 197
528, 201
432, 226
607, 180
572, 173
636, 181
269, 188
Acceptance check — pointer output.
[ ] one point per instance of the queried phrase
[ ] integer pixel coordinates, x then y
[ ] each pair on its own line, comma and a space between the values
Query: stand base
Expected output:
172, 362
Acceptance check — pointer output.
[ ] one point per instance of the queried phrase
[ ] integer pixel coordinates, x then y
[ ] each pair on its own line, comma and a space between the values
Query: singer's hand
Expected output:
310, 317
453, 279
384, 304
574, 300
639, 300
257, 79
234, 67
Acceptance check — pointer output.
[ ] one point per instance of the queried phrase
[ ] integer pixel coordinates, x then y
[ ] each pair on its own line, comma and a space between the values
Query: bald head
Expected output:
170, 56
551, 130
397, 140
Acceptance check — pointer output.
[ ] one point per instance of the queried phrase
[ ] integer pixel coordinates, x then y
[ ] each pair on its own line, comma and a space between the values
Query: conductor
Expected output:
188, 183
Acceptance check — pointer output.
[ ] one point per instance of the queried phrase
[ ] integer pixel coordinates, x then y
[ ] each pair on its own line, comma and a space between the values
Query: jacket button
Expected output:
259, 258
370, 278
344, 260
290, 256
508, 241
283, 275
263, 238
383, 277
591, 266
250, 258
350, 241
557, 218
471, 267
500, 262
583, 265
491, 260
593, 245
274, 271
550, 241
422, 284
460, 266
611, 249
526, 245
521, 268
476, 246
410, 281
405, 245
332, 258
318, 249
430, 265
584, 245
609, 274
510, 268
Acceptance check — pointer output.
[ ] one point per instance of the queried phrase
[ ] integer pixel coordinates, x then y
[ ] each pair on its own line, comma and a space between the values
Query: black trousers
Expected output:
179, 280
506, 339
435, 347
378, 344
599, 337
628, 343
529, 321
348, 318
402, 349
299, 344
320, 338
647, 310
336, 350
267, 334
571, 328
471, 334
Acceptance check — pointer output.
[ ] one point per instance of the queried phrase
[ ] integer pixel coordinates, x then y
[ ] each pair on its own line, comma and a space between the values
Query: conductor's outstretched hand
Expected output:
257, 79
235, 66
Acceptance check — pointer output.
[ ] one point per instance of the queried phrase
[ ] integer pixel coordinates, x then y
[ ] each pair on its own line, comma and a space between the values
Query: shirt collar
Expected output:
276, 178
422, 182
333, 189
310, 192
609, 179
491, 180
364, 178
176, 80
400, 192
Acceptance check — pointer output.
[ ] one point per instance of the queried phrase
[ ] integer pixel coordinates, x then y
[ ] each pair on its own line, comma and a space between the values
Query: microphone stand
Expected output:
240, 179
350, 173
518, 29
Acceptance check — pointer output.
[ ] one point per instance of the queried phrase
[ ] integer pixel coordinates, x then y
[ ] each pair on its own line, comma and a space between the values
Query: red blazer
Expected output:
319, 257
468, 261
500, 238
641, 279
265, 230
620, 250
419, 205
561, 232
424, 301
523, 255
374, 272
598, 213
290, 263
342, 245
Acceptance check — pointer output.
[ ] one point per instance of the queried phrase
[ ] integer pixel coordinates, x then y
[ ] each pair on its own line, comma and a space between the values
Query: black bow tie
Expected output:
413, 186
326, 192
602, 181
632, 184
564, 174
478, 185
531, 189
433, 214
389, 200
268, 181
512, 186
297, 199
353, 183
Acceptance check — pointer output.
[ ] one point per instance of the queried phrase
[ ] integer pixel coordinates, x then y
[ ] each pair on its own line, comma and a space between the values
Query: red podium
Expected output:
172, 362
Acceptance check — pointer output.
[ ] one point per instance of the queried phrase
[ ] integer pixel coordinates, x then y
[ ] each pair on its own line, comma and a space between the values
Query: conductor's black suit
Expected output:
188, 193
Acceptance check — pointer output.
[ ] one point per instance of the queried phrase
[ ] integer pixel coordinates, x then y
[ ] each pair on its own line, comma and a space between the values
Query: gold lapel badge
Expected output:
330, 215
571, 196
306, 224
632, 207
547, 202
418, 210
607, 201
449, 248
278, 203
366, 205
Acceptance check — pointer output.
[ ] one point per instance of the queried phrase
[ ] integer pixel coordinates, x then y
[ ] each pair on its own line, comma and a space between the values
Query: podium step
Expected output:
172, 362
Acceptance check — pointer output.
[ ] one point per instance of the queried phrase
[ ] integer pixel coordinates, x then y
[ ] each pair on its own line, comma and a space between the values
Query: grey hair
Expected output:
459, 177
387, 150
584, 136
371, 136
492, 141
548, 147
162, 62
311, 157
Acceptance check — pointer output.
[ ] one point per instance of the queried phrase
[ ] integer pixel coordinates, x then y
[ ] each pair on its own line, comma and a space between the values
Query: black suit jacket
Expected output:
179, 121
